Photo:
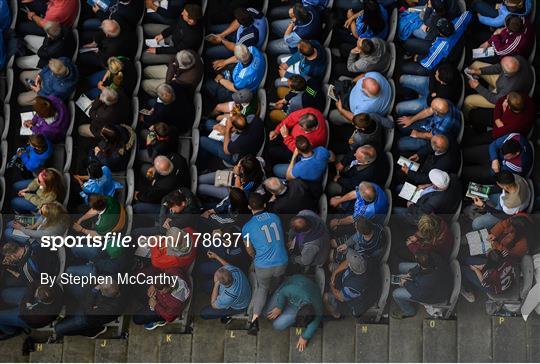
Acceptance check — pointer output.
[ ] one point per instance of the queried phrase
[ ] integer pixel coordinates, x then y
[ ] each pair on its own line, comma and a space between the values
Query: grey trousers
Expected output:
153, 77
265, 277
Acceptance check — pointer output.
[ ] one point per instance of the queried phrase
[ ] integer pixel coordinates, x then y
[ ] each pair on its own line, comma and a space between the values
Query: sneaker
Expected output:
226, 320
400, 315
104, 330
468, 295
153, 325
253, 328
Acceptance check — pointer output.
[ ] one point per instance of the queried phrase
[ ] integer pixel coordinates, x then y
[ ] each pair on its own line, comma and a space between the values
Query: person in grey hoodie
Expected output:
308, 240
368, 55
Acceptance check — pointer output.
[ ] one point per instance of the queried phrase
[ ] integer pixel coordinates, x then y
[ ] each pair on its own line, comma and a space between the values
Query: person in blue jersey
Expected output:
249, 27
231, 292
265, 242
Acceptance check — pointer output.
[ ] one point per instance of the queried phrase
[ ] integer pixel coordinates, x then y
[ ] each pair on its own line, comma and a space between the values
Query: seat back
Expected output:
197, 101
320, 278
71, 109
2, 191
129, 219
393, 25
393, 87
4, 152
456, 233
389, 213
328, 38
7, 118
533, 155
531, 91
140, 41
462, 6
265, 43
530, 208
134, 112
328, 70
9, 85
388, 137
132, 155
261, 95
385, 290
390, 160
265, 74
527, 271
387, 244
138, 71
194, 146
327, 101
393, 55
76, 52
69, 154
461, 59
462, 95
456, 273
130, 184
14, 7
194, 180
323, 207
67, 182
455, 217
461, 127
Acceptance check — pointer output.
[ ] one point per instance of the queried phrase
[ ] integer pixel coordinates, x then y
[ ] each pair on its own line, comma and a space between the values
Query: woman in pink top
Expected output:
60, 11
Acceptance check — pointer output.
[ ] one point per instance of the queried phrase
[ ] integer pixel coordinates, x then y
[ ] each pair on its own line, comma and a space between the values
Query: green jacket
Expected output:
107, 220
298, 290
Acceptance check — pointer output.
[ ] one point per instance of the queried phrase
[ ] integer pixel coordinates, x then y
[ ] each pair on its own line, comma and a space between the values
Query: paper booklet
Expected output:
478, 190
25, 219
332, 92
410, 192
478, 242
483, 52
152, 43
84, 103
26, 116
413, 166
86, 50
19, 233
216, 135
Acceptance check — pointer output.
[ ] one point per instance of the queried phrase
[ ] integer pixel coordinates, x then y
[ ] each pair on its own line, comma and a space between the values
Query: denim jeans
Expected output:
206, 187
278, 46
20, 204
9, 317
471, 280
402, 297
287, 317
216, 92
487, 220
219, 51
484, 9
214, 148
210, 313
91, 24
146, 208
93, 81
407, 143
279, 27
420, 33
280, 170
8, 234
76, 325
419, 84
86, 252
279, 12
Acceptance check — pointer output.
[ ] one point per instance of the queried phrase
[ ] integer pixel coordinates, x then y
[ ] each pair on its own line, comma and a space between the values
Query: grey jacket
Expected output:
378, 61
521, 81
316, 245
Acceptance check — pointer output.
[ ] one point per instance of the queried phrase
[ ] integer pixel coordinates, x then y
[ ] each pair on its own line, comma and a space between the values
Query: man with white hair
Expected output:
115, 39
248, 73
185, 69
290, 197
371, 93
59, 78
511, 74
58, 42
106, 110
166, 174
173, 106
441, 196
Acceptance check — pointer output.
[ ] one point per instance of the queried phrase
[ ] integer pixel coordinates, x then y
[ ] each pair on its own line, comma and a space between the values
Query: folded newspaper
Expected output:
483, 52
410, 192
413, 166
26, 116
478, 241
84, 103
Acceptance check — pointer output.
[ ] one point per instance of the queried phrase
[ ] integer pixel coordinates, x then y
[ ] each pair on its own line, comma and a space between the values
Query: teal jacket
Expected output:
298, 290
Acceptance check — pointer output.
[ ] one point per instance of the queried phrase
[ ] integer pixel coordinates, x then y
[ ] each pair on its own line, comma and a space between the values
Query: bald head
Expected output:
274, 185
111, 28
440, 106
299, 224
371, 87
510, 65
367, 192
439, 143
163, 165
365, 154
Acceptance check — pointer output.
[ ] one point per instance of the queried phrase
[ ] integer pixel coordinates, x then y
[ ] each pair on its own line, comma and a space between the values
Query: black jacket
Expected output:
129, 11
36, 314
448, 162
184, 36
376, 172
105, 115
63, 46
433, 285
162, 185
439, 202
179, 113
125, 44
298, 196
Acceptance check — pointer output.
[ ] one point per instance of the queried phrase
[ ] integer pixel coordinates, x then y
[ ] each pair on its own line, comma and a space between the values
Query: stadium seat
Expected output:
140, 41
265, 75
388, 137
531, 91
456, 232
261, 95
323, 207
69, 154
328, 70
462, 95
134, 112
72, 111
2, 191
76, 52
138, 69
387, 245
461, 128
393, 25
4, 152
9, 85
194, 146
197, 101
533, 52
520, 288
7, 118
67, 182
530, 208
265, 43
14, 7
193, 175
389, 213
393, 56
130, 183
448, 307
390, 159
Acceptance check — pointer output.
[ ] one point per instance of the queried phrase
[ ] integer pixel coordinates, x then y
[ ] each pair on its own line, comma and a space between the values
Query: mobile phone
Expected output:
395, 279
30, 82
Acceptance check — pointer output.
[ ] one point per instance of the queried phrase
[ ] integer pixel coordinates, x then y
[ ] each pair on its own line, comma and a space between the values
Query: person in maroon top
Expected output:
513, 113
432, 235
516, 38
493, 274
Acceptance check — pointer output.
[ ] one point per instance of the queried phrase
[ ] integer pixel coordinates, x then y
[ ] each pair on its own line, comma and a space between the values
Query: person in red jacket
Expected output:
512, 234
515, 39
162, 303
513, 113
432, 235
308, 122
176, 250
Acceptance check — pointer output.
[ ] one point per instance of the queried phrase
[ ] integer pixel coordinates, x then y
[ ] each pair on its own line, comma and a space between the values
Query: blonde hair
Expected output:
114, 65
429, 227
55, 214
58, 68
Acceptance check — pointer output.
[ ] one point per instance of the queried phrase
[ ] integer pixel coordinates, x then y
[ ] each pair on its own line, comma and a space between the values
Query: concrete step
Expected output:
12, 350
47, 353
110, 350
313, 351
339, 341
143, 344
439, 341
533, 338
405, 343
175, 348
371, 343
272, 345
239, 347
473, 332
78, 349
509, 339
208, 341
